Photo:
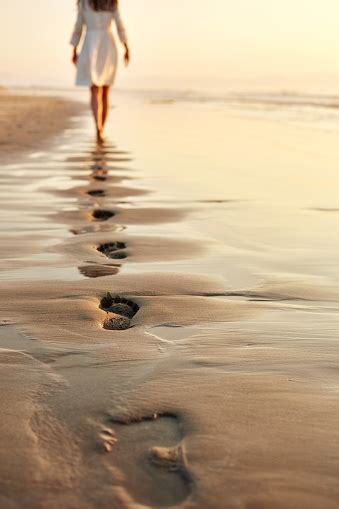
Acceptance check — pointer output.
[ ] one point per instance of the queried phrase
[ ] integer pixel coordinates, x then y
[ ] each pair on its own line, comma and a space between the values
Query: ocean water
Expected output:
320, 110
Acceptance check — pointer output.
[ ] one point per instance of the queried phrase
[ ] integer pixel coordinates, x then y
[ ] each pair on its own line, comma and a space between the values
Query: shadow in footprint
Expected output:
102, 215
150, 450
94, 271
97, 193
99, 178
113, 250
120, 312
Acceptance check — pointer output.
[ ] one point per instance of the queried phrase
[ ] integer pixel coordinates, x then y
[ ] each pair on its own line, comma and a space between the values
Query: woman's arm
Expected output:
77, 33
122, 34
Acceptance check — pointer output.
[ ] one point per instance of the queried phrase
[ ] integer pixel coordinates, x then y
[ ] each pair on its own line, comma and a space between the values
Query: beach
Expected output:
169, 306
28, 121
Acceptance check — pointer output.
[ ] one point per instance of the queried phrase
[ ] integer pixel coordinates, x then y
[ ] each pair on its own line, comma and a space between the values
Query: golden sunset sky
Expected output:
184, 43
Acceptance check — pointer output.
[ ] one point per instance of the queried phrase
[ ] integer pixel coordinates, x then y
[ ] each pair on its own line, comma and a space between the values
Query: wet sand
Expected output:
157, 349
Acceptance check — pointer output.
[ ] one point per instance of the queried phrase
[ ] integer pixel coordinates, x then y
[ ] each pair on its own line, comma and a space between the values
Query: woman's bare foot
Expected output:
100, 136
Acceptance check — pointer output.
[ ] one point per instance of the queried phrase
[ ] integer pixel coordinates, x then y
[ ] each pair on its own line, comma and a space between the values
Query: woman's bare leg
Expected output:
96, 105
105, 105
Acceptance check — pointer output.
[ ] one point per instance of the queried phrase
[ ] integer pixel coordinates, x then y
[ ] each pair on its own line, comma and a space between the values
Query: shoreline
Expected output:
28, 122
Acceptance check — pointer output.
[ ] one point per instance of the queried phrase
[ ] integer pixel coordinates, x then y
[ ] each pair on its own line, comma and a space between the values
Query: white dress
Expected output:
98, 59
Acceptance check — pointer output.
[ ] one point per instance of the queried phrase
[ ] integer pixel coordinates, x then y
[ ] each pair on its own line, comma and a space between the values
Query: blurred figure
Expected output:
97, 62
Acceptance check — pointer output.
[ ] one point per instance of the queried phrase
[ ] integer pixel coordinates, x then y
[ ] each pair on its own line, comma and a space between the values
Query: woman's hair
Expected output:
102, 5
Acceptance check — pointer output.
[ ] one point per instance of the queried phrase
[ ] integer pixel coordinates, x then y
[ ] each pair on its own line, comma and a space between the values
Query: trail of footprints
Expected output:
119, 311
155, 441
111, 250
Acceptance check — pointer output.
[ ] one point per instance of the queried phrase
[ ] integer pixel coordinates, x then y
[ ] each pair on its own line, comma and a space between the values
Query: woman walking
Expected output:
97, 61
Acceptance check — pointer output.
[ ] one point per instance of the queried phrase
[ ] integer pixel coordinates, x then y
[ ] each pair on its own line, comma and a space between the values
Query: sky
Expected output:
179, 44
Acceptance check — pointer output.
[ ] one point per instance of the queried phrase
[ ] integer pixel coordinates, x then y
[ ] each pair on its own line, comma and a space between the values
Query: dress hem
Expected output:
90, 84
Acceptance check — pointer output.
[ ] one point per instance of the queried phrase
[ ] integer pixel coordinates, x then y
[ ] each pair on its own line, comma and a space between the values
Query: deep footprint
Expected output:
102, 215
113, 250
94, 271
150, 449
100, 178
97, 193
120, 312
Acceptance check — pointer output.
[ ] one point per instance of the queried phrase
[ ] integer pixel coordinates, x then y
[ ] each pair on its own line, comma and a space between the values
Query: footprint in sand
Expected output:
97, 193
157, 474
102, 215
100, 178
99, 167
113, 250
120, 312
94, 271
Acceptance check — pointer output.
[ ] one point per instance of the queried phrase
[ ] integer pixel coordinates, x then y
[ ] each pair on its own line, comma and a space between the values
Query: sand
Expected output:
27, 122
157, 351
